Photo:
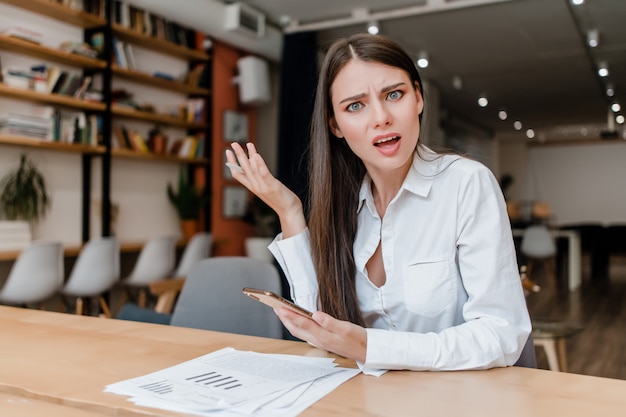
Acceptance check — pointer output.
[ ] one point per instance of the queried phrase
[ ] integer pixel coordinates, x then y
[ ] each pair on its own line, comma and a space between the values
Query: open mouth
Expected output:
387, 141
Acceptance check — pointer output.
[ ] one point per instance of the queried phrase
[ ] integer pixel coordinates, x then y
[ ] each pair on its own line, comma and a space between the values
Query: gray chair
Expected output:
36, 275
155, 262
538, 244
96, 271
198, 248
211, 298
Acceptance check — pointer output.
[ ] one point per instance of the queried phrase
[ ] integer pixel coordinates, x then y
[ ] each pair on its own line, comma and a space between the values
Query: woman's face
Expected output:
376, 109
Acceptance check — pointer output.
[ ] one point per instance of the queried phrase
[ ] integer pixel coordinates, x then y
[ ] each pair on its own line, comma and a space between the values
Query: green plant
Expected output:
23, 193
188, 200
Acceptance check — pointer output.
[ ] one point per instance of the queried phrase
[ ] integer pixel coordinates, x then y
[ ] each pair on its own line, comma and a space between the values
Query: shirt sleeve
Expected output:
496, 321
294, 257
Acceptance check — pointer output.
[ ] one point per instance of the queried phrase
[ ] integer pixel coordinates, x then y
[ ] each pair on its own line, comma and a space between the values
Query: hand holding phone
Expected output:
275, 301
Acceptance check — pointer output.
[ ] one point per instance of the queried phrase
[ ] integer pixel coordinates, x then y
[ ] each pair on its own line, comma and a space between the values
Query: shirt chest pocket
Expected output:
430, 286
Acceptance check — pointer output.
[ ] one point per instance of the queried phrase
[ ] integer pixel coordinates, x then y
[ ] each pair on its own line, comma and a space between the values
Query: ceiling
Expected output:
529, 57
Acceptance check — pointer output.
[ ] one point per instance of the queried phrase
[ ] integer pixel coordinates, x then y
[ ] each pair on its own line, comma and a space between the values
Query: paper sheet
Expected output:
232, 383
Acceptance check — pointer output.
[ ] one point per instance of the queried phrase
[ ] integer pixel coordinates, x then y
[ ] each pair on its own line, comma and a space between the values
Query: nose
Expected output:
380, 114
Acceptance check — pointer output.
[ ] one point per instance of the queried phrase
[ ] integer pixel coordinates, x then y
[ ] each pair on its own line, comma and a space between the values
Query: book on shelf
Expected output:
24, 34
119, 53
52, 75
130, 56
95, 7
37, 122
138, 142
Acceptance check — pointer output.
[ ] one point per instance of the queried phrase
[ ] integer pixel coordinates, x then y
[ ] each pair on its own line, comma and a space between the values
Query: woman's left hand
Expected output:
325, 332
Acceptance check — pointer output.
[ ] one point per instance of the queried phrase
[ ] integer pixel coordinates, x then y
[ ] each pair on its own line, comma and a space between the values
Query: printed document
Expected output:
229, 382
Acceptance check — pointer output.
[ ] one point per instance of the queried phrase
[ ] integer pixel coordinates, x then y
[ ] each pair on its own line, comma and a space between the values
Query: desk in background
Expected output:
62, 362
574, 258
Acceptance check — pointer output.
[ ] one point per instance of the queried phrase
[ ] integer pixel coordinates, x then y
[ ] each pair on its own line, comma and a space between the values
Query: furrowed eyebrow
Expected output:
383, 90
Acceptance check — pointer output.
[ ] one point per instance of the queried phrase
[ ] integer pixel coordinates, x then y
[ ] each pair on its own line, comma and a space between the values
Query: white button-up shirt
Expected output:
452, 297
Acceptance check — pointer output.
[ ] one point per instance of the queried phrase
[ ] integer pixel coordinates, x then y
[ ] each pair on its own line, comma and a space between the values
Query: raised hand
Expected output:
256, 177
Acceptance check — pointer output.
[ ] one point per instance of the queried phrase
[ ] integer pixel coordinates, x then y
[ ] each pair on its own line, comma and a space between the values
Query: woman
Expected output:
407, 255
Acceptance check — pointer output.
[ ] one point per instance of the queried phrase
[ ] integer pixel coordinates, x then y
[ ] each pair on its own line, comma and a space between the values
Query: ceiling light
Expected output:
619, 119
616, 107
530, 133
593, 38
610, 91
502, 115
577, 2
457, 82
517, 125
422, 59
482, 101
373, 28
603, 70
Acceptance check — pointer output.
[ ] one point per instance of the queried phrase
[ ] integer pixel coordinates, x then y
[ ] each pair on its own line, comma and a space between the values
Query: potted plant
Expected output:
188, 201
265, 223
24, 199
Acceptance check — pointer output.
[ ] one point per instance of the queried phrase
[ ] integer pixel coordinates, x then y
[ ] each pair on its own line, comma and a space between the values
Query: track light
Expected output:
422, 59
593, 38
373, 28
619, 119
457, 82
530, 133
517, 125
483, 101
615, 107
502, 115
603, 69
610, 91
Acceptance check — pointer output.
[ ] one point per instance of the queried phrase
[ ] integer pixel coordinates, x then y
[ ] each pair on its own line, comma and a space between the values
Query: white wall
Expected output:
582, 183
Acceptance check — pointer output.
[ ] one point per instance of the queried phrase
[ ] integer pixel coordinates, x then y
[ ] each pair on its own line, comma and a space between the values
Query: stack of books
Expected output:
38, 123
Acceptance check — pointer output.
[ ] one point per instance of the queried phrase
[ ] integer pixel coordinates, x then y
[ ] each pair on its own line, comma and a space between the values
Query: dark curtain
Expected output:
297, 93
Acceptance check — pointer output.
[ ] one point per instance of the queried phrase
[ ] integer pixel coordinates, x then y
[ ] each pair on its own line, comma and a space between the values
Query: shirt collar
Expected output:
418, 181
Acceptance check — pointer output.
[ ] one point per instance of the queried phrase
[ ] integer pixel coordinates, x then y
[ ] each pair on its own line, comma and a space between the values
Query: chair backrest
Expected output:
211, 298
36, 275
537, 242
156, 261
198, 248
96, 270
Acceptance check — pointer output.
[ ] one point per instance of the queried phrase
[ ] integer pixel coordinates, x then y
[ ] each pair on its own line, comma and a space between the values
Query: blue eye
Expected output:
395, 95
354, 106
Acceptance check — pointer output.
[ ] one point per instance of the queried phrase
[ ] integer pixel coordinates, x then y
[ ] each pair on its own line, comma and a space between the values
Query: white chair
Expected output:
36, 275
198, 248
96, 271
211, 297
538, 244
156, 261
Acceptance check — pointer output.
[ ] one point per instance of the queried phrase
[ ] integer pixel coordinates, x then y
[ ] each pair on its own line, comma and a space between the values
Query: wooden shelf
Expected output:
148, 79
9, 43
59, 12
127, 153
55, 99
156, 44
16, 140
162, 119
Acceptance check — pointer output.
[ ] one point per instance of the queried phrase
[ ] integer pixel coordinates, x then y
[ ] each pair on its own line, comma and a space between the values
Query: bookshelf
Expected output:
105, 70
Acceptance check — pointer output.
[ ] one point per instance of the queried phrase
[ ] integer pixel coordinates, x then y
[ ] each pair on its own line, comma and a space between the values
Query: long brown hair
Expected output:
336, 174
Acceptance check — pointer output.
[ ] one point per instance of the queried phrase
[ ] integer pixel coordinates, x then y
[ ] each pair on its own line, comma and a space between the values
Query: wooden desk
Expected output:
62, 362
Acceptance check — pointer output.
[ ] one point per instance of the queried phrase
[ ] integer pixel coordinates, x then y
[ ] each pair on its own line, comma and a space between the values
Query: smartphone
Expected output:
275, 301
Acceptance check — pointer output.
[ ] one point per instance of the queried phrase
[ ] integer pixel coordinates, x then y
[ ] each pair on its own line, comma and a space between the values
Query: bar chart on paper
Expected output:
216, 380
